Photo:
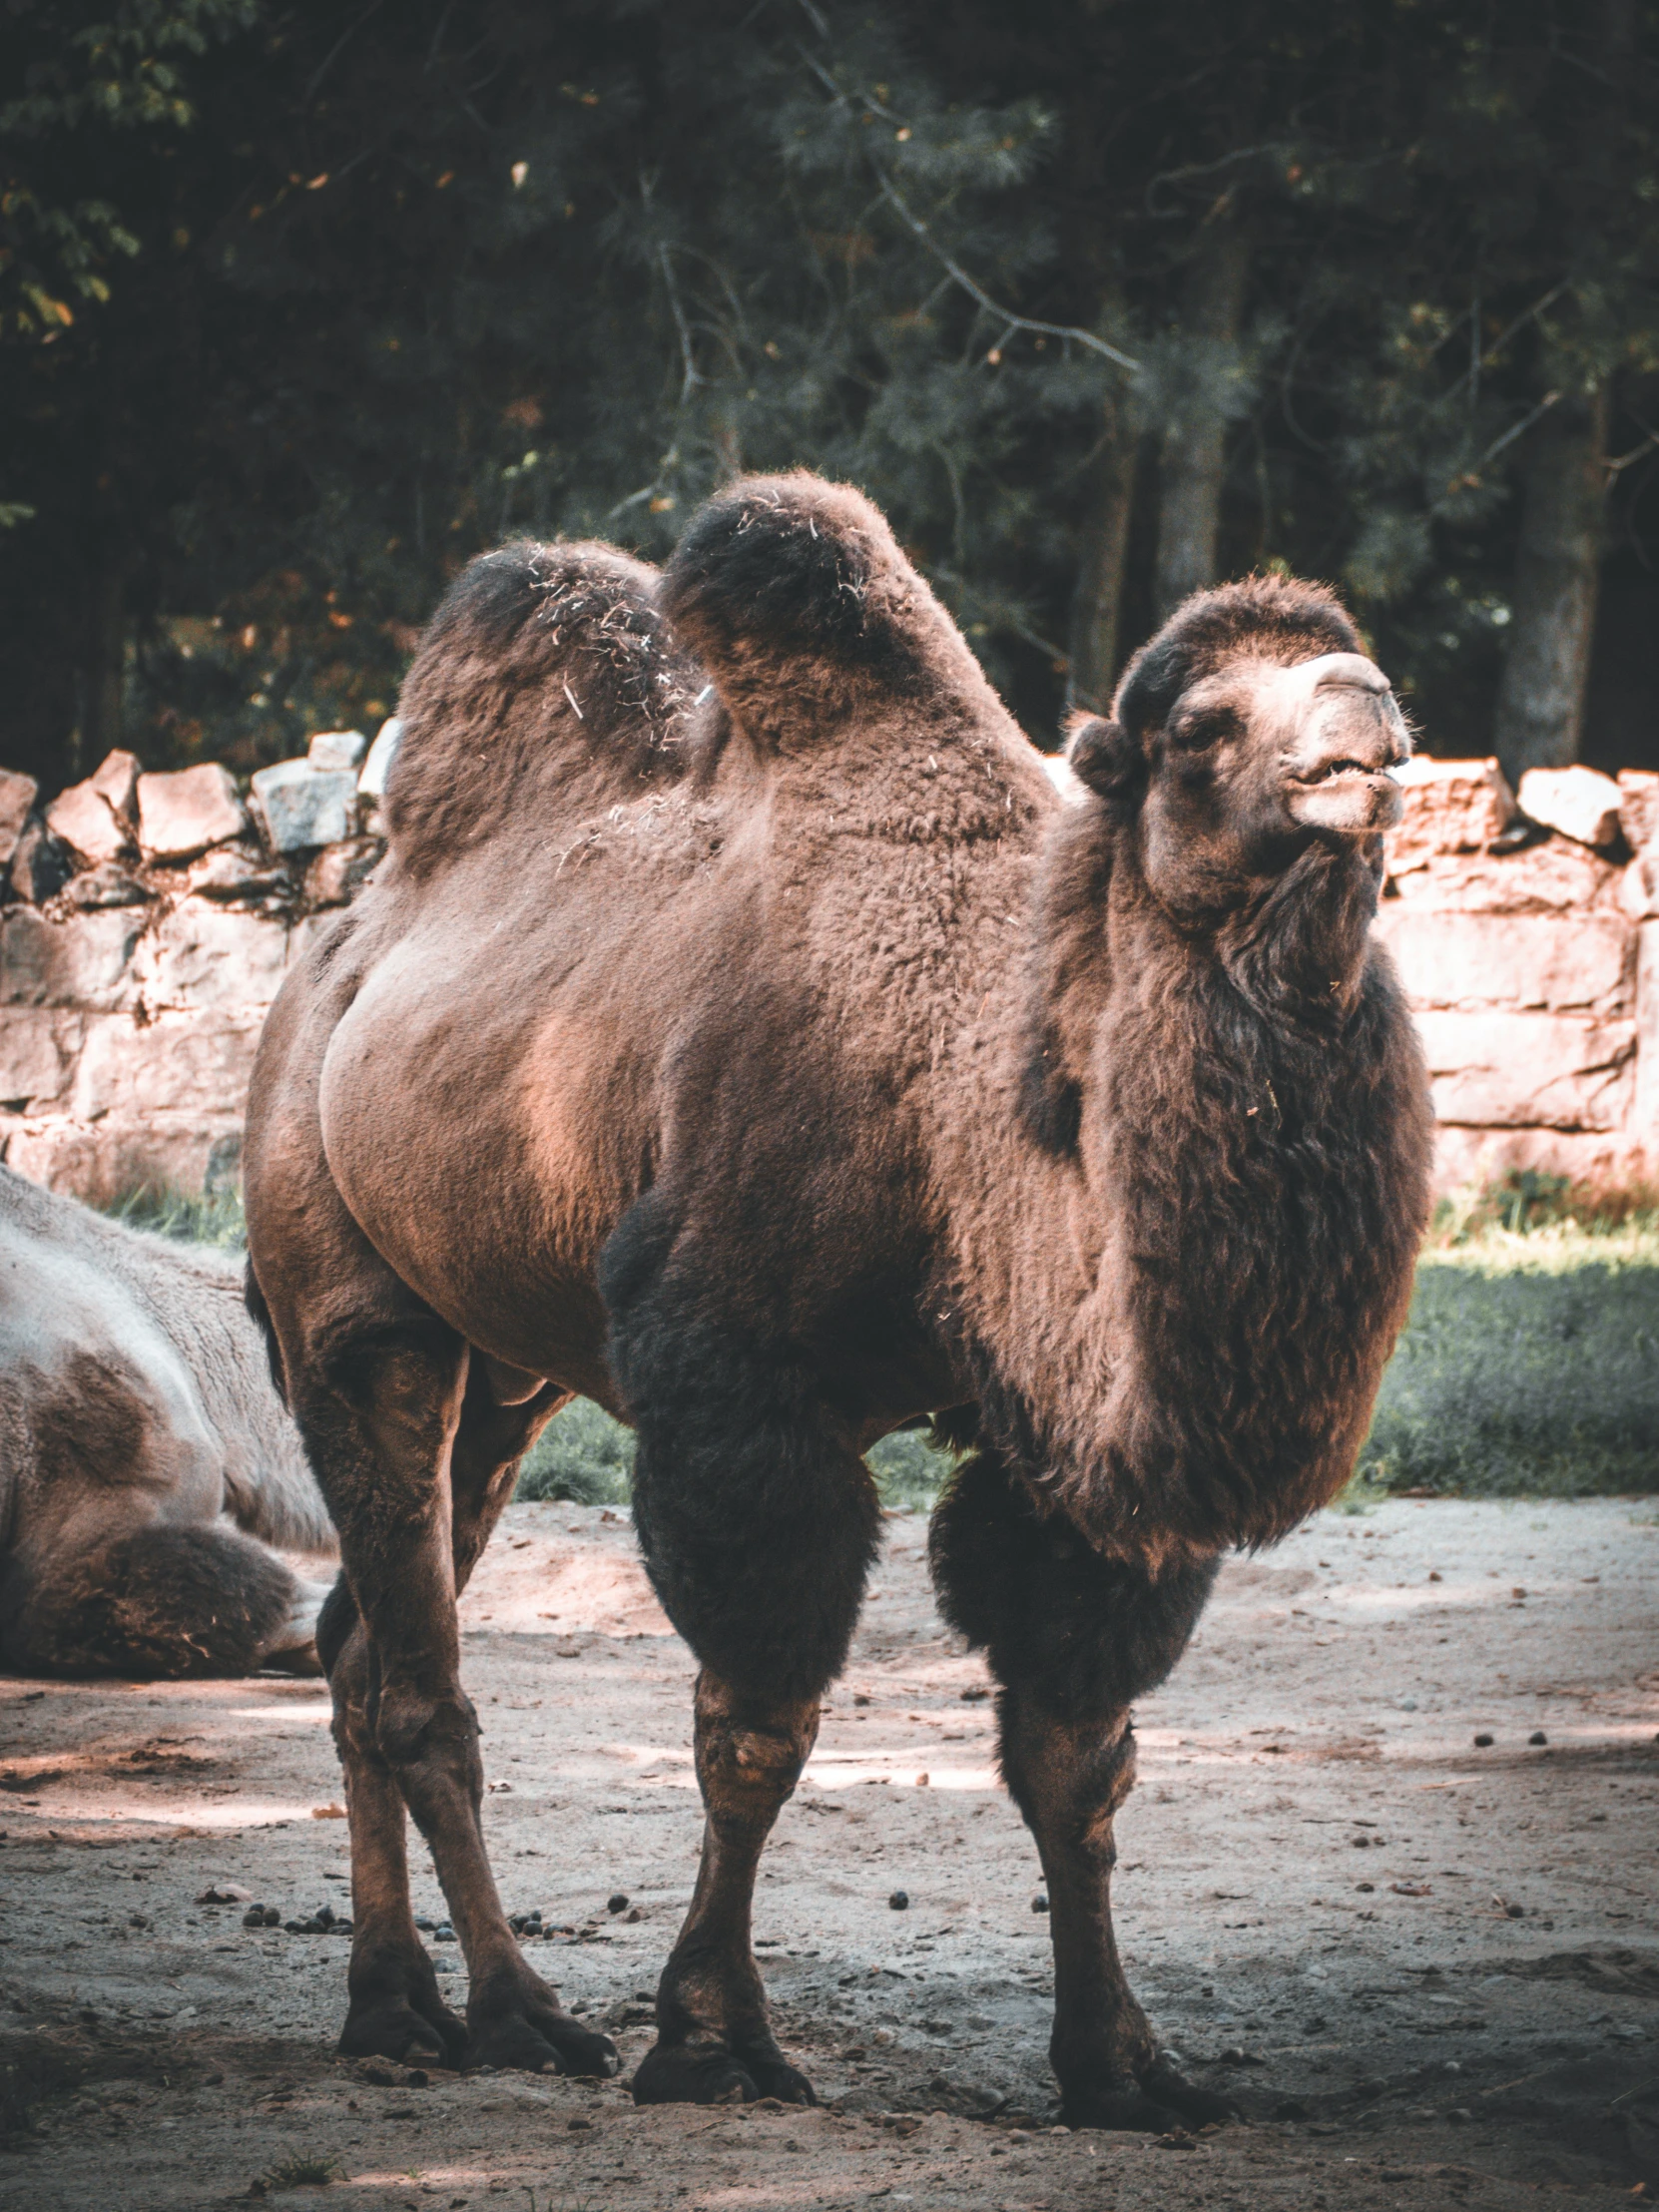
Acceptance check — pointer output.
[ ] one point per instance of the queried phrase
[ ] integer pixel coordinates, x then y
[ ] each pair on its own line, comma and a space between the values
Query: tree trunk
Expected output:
1097, 602
1193, 459
1540, 699
101, 678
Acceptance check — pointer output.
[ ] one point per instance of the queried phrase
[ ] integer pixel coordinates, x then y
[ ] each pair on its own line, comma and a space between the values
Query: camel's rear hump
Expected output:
547, 683
804, 609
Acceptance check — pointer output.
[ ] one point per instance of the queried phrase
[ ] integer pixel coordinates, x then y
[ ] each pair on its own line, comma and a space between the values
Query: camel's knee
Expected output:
750, 1755
1069, 1779
418, 1730
1084, 1633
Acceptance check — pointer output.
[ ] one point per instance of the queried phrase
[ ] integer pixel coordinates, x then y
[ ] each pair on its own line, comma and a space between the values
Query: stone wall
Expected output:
147, 923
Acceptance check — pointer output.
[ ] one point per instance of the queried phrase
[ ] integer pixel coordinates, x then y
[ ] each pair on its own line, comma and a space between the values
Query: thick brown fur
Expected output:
144, 1455
786, 1063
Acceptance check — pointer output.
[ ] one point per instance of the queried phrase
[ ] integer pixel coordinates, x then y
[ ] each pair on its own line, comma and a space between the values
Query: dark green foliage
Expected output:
582, 1454
1523, 1383
383, 287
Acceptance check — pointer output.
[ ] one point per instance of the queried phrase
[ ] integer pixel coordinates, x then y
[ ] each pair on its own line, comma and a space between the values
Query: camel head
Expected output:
1250, 727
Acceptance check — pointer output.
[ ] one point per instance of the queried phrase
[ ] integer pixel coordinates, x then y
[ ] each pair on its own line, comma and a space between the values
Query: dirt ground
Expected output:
1427, 1971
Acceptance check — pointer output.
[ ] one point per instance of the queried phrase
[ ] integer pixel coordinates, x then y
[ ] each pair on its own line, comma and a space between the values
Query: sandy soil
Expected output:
1427, 1971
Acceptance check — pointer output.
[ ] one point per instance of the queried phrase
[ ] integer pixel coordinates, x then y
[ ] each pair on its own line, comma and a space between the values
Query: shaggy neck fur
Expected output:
1238, 1105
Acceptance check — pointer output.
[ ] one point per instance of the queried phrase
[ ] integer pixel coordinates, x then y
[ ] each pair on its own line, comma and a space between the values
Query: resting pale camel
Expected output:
772, 1066
140, 1436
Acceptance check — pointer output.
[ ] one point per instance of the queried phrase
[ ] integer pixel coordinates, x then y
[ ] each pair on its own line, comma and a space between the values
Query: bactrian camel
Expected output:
742, 1032
146, 1462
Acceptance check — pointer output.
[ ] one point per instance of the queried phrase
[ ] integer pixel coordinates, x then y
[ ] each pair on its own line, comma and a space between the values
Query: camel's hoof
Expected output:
535, 2038
776, 2077
1198, 2107
695, 2073
1122, 2105
415, 2032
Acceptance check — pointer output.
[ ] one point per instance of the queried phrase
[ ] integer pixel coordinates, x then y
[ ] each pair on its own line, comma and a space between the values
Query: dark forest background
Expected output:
302, 304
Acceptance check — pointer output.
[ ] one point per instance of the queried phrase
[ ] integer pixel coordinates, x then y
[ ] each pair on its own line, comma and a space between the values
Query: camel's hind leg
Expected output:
1073, 1638
415, 1460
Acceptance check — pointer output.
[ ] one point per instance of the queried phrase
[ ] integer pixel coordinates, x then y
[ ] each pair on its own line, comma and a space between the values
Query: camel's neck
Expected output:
1231, 1118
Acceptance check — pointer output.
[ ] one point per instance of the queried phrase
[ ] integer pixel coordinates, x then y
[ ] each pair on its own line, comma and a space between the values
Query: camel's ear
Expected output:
1105, 757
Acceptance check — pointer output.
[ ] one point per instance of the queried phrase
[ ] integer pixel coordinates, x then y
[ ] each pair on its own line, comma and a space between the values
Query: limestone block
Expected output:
338, 869
1510, 1070
85, 961
1451, 807
1470, 1158
38, 1050
101, 1163
41, 867
1639, 887
303, 806
1555, 960
116, 778
17, 795
1579, 802
1644, 1114
236, 875
1639, 806
1555, 876
196, 1063
86, 821
109, 886
213, 957
184, 811
338, 749
372, 782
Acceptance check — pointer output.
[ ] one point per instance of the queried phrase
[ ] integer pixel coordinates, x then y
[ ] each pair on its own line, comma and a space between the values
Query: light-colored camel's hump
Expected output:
547, 679
795, 597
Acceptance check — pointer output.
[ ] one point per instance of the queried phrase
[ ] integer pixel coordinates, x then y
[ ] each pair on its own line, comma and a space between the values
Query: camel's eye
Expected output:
1198, 729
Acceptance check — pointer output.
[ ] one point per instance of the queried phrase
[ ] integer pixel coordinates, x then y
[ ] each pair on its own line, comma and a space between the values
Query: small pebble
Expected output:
1039, 1903
899, 1902
1365, 1888
1483, 1742
1537, 1737
617, 1902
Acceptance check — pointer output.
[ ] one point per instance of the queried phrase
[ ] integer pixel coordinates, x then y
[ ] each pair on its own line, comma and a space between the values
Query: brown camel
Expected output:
742, 1032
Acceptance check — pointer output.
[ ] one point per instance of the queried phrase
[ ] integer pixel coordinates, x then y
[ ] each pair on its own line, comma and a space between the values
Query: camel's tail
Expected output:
804, 609
547, 679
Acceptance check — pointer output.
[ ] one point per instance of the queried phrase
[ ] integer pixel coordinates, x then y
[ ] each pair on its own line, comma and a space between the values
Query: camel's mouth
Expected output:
1341, 771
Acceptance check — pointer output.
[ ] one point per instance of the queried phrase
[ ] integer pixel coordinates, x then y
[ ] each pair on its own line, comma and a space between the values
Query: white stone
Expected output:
17, 795
86, 821
184, 811
84, 961
211, 956
1509, 1071
38, 1050
303, 806
195, 1063
116, 778
1579, 802
372, 782
101, 1162
1474, 960
1451, 807
338, 749
1639, 806
41, 864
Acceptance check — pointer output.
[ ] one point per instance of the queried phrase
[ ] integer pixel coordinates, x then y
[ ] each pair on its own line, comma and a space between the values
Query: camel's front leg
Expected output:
715, 2039
1073, 1638
407, 1492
